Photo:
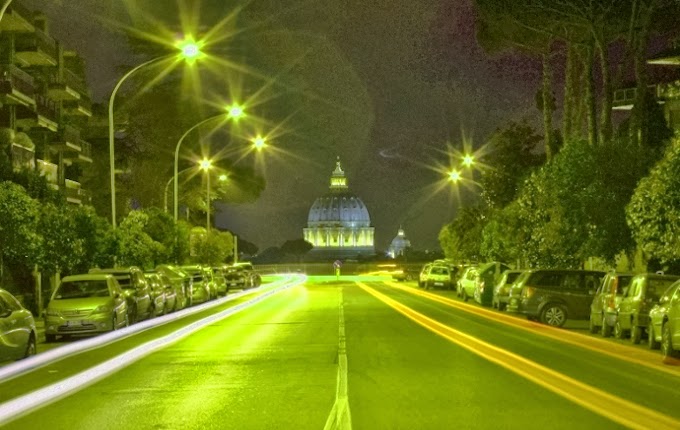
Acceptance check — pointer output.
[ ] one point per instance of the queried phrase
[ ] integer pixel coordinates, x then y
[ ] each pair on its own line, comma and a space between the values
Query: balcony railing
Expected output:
37, 43
22, 158
46, 107
74, 193
13, 78
69, 134
76, 82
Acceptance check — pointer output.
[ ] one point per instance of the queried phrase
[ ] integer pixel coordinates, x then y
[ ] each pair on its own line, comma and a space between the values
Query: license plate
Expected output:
439, 284
72, 323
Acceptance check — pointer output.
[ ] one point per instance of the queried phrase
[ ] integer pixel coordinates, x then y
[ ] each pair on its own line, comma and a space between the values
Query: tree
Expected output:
63, 249
20, 242
460, 239
511, 159
297, 248
99, 241
214, 248
136, 247
653, 213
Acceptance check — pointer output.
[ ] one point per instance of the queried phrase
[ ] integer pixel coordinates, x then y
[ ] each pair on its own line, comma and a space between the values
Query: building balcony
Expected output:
74, 193
17, 18
16, 86
669, 91
624, 98
68, 87
82, 156
81, 107
50, 171
68, 139
36, 49
22, 157
44, 115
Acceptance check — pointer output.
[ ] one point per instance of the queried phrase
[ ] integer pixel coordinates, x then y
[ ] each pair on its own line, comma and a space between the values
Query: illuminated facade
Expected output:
338, 224
399, 244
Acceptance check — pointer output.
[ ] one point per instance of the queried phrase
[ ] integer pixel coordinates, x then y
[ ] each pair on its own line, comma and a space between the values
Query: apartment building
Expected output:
45, 103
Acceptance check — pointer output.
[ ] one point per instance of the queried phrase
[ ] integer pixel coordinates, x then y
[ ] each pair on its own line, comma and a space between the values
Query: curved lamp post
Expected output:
188, 51
233, 111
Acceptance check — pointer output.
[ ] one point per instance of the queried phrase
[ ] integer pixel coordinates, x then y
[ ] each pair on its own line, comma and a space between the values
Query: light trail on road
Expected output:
607, 405
24, 404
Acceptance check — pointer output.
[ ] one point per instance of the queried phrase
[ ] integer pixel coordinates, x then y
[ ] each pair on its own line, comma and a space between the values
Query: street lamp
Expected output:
234, 112
454, 176
468, 160
189, 51
206, 165
259, 143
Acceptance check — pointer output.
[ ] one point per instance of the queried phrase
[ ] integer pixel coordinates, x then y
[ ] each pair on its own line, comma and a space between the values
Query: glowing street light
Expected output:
454, 176
259, 143
233, 111
223, 177
189, 51
468, 160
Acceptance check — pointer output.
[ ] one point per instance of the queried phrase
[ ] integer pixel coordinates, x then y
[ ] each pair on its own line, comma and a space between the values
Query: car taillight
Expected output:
527, 292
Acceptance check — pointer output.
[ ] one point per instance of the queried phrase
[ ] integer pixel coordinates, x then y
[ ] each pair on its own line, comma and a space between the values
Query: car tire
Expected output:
465, 296
502, 306
49, 338
635, 334
667, 343
606, 329
31, 347
554, 315
651, 338
618, 330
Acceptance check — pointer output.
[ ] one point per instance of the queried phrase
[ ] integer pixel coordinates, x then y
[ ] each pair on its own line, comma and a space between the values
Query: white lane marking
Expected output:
20, 406
53, 355
340, 417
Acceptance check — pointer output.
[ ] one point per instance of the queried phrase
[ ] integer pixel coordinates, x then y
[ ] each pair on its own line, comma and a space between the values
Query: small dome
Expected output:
399, 244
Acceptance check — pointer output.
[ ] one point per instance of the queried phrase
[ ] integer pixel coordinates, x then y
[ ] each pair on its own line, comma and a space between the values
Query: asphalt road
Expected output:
363, 355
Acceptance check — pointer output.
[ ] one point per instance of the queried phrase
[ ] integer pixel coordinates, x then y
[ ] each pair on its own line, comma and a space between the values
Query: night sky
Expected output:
394, 84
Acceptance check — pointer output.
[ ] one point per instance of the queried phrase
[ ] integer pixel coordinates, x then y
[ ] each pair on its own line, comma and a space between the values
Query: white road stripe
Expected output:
340, 417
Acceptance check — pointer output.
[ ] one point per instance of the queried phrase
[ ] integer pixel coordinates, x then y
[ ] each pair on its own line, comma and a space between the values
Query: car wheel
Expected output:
651, 338
667, 343
502, 306
465, 296
635, 334
49, 338
606, 329
618, 330
554, 315
30, 347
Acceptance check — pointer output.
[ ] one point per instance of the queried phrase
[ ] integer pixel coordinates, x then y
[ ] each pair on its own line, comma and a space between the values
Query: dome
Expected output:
342, 209
399, 244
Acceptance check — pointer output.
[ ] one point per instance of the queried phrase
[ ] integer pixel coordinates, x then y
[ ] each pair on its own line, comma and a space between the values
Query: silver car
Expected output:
17, 329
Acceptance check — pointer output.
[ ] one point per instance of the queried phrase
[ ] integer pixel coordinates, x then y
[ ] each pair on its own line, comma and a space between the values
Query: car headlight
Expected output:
102, 309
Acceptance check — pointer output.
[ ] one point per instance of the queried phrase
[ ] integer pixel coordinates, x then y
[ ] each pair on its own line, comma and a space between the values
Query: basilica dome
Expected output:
338, 224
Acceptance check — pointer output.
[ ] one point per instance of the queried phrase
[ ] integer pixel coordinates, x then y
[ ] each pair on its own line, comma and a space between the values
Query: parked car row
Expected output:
640, 306
108, 299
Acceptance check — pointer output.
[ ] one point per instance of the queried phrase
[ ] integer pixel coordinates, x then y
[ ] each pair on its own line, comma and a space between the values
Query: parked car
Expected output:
439, 275
553, 296
406, 273
486, 278
135, 289
465, 283
633, 311
202, 287
501, 292
86, 304
422, 276
658, 315
664, 323
18, 335
606, 301
515, 291
158, 293
181, 283
242, 275
220, 281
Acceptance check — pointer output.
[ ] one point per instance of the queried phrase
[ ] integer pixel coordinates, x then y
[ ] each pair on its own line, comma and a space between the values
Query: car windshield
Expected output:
82, 289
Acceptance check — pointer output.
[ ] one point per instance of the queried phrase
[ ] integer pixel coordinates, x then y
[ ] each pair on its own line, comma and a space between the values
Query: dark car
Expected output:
406, 273
553, 296
135, 289
606, 301
644, 292
242, 275
501, 292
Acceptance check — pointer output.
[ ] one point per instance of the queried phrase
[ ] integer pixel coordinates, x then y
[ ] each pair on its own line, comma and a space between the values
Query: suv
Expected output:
136, 291
633, 311
552, 296
606, 300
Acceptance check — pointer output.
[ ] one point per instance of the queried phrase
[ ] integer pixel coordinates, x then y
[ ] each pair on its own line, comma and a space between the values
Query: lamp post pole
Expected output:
207, 209
112, 166
4, 8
